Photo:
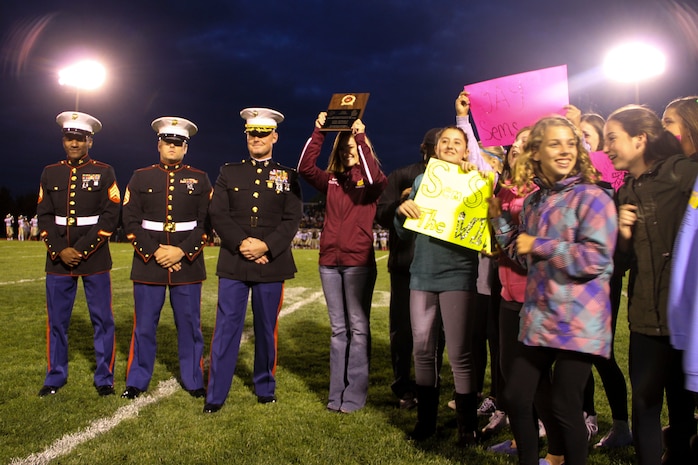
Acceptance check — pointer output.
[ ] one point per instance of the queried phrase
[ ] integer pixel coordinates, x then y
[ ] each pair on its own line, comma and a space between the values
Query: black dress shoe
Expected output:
131, 392
212, 408
197, 393
266, 399
105, 390
48, 391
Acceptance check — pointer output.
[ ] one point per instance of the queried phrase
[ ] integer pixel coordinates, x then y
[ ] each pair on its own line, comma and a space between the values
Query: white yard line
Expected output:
69, 442
165, 389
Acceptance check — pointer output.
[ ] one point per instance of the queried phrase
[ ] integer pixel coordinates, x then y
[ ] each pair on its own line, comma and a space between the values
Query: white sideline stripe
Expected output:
43, 278
165, 388
22, 281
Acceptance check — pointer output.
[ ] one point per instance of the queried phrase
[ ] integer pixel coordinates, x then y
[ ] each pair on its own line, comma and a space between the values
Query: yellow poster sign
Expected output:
453, 206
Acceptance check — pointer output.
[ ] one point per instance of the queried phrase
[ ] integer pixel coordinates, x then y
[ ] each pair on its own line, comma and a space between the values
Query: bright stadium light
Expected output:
634, 62
84, 75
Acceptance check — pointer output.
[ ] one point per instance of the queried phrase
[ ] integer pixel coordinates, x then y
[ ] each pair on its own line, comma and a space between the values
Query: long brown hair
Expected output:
638, 119
597, 122
687, 109
335, 164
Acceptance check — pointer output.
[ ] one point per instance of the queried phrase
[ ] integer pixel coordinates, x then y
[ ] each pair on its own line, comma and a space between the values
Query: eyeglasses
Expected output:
260, 134
176, 141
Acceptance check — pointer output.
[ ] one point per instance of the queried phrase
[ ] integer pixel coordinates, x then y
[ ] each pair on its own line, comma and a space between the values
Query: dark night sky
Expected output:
207, 60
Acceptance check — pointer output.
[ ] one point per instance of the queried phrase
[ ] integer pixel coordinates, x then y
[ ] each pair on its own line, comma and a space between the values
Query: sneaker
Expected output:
486, 408
592, 425
541, 430
498, 420
408, 401
618, 436
507, 447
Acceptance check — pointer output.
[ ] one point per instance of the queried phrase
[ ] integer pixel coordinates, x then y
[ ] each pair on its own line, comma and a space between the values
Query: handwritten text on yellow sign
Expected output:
453, 206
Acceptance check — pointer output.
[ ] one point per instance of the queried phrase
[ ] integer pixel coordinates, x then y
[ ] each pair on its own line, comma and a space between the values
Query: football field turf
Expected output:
167, 426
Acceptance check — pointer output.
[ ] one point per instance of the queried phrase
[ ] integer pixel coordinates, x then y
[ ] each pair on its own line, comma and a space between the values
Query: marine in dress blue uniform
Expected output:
164, 214
256, 209
78, 210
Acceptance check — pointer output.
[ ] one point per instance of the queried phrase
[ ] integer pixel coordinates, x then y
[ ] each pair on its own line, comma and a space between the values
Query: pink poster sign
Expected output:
500, 107
608, 173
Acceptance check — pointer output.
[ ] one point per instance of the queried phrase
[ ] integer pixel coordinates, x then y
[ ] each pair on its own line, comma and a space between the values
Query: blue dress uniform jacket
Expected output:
74, 194
260, 200
172, 196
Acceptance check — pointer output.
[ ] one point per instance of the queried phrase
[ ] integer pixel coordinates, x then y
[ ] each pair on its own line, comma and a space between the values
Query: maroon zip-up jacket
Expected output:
347, 234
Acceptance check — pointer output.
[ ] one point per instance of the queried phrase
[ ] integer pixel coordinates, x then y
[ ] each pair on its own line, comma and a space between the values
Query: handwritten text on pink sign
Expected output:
502, 106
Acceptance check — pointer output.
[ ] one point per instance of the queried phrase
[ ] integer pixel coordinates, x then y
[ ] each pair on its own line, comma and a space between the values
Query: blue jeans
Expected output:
348, 293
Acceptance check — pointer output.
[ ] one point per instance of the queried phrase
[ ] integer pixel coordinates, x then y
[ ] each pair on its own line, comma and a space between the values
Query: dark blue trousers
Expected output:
60, 298
186, 306
230, 319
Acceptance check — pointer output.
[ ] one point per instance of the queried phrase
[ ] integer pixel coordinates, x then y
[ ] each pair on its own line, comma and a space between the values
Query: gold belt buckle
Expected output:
253, 221
169, 227
71, 221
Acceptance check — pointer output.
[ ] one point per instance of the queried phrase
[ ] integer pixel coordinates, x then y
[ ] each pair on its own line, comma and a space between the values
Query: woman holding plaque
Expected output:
442, 293
352, 183
566, 241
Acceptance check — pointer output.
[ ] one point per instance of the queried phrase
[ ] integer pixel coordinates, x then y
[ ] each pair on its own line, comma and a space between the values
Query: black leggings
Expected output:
655, 366
555, 379
611, 375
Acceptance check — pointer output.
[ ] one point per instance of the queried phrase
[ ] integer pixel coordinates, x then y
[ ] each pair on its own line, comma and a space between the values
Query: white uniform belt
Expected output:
77, 220
168, 227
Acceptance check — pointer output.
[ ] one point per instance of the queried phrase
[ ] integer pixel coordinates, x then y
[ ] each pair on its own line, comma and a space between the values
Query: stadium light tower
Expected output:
634, 62
84, 75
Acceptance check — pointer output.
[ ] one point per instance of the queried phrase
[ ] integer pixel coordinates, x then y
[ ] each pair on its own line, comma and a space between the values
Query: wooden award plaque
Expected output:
343, 110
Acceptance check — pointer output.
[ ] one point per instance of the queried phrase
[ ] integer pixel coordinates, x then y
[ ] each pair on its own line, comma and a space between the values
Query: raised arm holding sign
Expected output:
504, 105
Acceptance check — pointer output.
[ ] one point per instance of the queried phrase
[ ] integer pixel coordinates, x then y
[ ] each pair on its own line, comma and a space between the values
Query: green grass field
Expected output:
167, 426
